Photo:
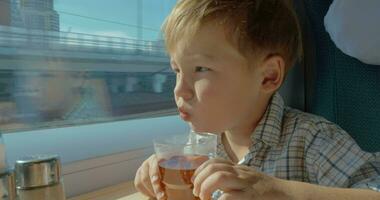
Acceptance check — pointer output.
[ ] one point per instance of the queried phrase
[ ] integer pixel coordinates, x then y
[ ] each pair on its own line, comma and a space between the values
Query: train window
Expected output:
69, 62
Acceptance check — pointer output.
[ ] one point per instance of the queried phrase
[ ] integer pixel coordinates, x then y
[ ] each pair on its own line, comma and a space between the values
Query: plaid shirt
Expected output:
293, 145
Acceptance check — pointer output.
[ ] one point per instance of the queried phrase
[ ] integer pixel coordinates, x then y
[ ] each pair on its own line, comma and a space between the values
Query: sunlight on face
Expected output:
215, 90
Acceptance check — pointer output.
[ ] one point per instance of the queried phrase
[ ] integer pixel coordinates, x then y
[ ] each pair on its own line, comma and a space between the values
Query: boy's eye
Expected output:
201, 69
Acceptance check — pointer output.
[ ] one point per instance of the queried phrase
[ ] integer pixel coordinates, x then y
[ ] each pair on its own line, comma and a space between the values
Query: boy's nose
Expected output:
183, 89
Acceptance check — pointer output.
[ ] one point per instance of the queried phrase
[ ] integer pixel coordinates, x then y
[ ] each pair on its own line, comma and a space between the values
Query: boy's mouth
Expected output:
183, 114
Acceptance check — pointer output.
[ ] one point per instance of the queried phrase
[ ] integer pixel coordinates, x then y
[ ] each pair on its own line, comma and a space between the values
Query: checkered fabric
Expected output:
293, 145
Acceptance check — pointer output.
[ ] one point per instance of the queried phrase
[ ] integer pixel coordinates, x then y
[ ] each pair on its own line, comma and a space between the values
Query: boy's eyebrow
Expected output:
203, 55
194, 56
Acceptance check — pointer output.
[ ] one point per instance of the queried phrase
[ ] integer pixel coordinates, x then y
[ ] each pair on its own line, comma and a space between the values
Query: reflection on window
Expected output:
69, 62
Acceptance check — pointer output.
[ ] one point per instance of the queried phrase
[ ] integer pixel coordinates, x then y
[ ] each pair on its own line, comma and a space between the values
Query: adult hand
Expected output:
236, 182
147, 179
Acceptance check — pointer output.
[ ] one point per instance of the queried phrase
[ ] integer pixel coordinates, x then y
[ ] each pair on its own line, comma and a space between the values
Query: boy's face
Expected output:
216, 89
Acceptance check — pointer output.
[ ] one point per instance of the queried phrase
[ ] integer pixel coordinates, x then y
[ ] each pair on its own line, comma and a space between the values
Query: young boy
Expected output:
230, 57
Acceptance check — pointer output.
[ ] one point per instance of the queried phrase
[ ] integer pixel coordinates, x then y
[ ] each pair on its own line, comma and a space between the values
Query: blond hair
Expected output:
267, 27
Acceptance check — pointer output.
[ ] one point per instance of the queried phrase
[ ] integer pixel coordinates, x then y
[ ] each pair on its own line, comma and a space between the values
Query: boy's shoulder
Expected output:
312, 127
285, 126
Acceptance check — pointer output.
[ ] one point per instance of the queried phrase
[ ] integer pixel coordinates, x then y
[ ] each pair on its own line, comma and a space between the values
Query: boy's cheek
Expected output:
204, 87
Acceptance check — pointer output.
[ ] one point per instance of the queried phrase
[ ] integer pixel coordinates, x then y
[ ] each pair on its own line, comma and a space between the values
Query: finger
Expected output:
146, 179
211, 161
233, 195
222, 180
208, 171
154, 175
140, 183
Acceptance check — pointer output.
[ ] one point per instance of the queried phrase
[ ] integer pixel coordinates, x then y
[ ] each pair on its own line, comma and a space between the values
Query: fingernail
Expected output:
194, 193
160, 195
154, 178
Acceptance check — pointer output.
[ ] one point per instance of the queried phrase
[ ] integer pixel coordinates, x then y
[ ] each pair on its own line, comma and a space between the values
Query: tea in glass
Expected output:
178, 158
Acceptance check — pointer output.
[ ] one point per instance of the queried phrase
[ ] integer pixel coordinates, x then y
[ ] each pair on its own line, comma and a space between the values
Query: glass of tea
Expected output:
178, 158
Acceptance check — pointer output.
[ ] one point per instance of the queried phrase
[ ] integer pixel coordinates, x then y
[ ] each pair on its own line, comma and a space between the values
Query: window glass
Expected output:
70, 62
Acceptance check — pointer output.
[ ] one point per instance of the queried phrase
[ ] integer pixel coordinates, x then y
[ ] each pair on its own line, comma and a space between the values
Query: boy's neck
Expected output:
236, 145
238, 140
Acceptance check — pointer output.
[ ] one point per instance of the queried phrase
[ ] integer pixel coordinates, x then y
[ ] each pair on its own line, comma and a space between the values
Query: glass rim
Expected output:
184, 142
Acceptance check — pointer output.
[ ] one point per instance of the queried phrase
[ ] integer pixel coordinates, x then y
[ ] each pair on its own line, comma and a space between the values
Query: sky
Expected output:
117, 18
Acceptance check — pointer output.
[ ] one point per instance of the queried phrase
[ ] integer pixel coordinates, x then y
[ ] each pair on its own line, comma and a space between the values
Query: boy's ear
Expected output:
273, 72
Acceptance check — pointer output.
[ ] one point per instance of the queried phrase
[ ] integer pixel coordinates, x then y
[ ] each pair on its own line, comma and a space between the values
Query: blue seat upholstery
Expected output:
339, 87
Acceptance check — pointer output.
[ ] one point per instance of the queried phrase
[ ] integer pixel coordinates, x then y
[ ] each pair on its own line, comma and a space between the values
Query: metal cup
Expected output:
37, 171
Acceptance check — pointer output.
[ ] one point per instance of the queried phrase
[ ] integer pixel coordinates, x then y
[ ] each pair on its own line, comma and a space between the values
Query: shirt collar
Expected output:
269, 128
